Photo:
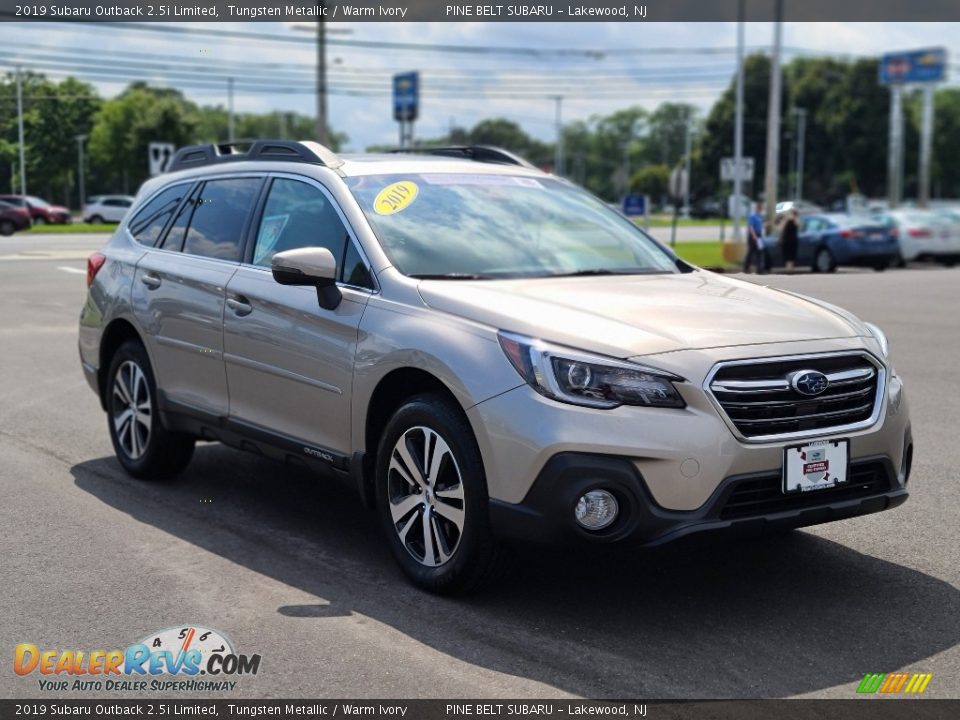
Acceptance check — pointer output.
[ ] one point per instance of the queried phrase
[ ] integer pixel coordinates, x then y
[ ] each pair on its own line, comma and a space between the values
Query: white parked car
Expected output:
924, 234
106, 208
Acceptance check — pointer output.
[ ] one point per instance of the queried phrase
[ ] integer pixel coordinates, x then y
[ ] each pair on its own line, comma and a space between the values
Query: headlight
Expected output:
881, 338
590, 380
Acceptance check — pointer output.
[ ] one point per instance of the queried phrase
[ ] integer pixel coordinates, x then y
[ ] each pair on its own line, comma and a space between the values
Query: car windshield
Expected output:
37, 202
466, 226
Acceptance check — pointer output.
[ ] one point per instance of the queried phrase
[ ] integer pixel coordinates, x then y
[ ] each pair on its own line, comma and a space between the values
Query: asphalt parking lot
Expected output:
293, 569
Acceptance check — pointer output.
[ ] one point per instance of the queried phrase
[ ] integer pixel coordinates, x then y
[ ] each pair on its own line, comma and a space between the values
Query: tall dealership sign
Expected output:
923, 68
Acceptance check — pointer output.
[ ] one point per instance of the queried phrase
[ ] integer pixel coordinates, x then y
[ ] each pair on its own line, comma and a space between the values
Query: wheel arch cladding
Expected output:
116, 333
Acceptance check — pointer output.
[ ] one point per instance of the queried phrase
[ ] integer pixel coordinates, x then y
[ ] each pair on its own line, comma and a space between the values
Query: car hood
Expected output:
623, 316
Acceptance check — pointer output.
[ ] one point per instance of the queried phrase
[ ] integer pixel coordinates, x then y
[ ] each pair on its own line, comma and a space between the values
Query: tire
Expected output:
880, 267
145, 448
901, 263
96, 220
7, 227
823, 261
462, 553
40, 220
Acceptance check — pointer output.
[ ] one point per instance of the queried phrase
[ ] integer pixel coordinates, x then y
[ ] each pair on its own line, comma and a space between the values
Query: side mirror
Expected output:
314, 266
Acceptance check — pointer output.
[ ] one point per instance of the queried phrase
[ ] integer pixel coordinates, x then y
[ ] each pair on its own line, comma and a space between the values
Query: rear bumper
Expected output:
742, 504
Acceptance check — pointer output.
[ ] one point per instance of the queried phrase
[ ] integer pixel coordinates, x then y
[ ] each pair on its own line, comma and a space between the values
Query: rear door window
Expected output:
219, 216
148, 224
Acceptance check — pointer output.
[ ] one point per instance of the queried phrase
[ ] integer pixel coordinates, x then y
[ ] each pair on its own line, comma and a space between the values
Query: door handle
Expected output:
151, 280
240, 306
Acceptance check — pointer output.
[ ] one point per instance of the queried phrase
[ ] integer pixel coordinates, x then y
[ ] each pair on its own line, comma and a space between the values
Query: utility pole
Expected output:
558, 159
230, 109
738, 141
801, 140
686, 188
926, 143
773, 120
322, 78
81, 170
626, 167
23, 162
896, 145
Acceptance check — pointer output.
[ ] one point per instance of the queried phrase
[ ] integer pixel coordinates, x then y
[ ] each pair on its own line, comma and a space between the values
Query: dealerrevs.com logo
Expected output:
188, 658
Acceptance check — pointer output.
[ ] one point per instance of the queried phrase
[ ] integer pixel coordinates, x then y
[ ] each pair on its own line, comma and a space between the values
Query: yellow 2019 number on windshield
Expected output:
395, 197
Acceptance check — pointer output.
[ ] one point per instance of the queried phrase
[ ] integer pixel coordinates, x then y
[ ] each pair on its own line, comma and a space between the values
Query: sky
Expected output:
685, 62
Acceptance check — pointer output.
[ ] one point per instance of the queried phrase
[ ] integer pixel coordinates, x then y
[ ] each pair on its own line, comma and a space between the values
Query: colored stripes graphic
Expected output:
914, 683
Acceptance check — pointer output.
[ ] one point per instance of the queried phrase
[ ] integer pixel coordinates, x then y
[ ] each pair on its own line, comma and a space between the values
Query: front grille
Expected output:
763, 496
760, 400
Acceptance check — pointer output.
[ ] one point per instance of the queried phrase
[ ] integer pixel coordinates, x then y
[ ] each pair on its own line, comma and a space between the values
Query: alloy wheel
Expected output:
132, 409
425, 492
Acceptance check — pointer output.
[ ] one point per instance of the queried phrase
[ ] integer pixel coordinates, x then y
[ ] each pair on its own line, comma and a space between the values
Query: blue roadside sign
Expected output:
634, 205
406, 96
916, 66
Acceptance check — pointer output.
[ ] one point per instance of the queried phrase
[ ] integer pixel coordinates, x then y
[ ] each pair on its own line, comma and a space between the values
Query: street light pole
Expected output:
322, 78
80, 170
558, 151
23, 163
801, 140
230, 109
773, 120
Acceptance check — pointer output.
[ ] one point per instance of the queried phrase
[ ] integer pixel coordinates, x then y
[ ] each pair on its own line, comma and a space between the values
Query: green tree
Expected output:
54, 114
945, 175
125, 126
652, 180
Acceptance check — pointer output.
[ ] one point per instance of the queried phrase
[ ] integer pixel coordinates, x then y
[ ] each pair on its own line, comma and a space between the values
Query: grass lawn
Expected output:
667, 221
77, 227
705, 253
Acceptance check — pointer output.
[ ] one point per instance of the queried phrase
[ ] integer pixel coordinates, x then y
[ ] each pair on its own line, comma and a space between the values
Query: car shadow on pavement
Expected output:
763, 618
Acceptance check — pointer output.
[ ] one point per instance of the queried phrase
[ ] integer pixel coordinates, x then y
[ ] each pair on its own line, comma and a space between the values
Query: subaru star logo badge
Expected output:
809, 382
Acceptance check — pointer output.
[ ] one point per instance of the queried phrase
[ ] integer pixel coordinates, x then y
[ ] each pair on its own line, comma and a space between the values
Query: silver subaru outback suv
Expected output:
484, 351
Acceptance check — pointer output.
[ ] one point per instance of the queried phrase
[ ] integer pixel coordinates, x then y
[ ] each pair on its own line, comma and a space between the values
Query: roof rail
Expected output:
307, 151
477, 153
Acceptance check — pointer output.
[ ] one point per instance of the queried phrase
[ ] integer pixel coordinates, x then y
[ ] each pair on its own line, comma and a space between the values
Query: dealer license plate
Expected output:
816, 466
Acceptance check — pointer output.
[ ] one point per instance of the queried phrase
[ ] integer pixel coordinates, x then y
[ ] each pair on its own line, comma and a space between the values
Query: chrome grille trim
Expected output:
731, 409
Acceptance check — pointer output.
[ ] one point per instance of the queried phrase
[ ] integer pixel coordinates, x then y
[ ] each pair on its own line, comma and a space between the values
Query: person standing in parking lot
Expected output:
755, 241
789, 239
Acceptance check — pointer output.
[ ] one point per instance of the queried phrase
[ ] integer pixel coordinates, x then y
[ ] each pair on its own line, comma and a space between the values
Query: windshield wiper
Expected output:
451, 276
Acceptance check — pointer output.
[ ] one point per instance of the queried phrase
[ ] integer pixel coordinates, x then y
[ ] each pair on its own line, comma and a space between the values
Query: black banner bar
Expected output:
459, 11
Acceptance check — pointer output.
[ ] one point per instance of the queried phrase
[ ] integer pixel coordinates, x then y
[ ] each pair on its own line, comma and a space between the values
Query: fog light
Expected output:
596, 510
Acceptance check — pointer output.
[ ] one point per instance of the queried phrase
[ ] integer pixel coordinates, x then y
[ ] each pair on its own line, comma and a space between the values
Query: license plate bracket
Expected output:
816, 465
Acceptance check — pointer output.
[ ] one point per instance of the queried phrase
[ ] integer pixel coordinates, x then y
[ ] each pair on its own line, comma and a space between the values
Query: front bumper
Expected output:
750, 504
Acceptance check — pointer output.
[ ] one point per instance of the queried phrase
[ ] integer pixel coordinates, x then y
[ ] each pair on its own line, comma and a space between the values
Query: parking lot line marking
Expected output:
78, 271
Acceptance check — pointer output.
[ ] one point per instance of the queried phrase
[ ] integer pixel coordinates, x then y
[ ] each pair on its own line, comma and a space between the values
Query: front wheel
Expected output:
95, 220
7, 227
143, 446
432, 497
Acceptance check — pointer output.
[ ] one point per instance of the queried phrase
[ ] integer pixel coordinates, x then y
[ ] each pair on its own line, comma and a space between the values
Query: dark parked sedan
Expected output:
829, 240
40, 210
13, 218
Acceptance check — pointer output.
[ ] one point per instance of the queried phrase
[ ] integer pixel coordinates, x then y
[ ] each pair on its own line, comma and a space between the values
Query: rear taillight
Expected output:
894, 233
848, 233
94, 263
919, 233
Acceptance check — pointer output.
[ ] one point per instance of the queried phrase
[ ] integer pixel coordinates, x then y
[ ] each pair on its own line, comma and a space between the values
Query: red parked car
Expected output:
40, 210
13, 218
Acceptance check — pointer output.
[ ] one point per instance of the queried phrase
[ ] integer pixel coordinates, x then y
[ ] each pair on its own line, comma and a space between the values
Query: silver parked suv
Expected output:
483, 350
